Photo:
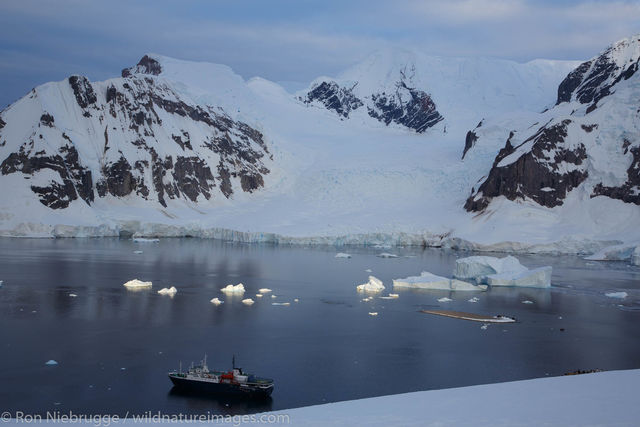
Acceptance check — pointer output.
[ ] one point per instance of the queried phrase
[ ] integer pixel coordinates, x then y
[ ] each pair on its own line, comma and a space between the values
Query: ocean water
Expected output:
114, 346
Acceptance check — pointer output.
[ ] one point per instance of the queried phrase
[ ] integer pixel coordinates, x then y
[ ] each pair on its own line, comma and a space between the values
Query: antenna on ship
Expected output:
233, 361
180, 369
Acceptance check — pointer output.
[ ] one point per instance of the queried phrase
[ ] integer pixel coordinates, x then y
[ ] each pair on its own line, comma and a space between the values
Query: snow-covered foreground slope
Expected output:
178, 148
600, 399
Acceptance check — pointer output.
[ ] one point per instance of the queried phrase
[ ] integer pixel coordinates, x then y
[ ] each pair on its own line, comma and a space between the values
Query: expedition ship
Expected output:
199, 378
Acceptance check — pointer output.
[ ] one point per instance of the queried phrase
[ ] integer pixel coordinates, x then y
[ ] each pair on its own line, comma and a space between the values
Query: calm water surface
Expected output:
115, 346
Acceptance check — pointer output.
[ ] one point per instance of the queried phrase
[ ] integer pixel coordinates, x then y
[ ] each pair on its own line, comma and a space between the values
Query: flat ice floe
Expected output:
387, 255
281, 303
136, 284
216, 301
168, 291
51, 362
373, 285
619, 295
264, 290
505, 271
444, 299
248, 301
373, 313
428, 280
145, 240
390, 296
231, 289
342, 255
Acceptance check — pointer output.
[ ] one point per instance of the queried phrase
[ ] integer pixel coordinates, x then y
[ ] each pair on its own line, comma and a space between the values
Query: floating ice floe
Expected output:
367, 299
387, 255
73, 295
342, 255
259, 295
620, 295
248, 301
474, 299
145, 240
51, 362
274, 296
373, 313
484, 327
264, 290
368, 270
390, 296
296, 300
444, 299
527, 302
216, 301
168, 291
373, 285
505, 271
536, 278
137, 252
428, 280
0, 283
231, 289
136, 284
280, 303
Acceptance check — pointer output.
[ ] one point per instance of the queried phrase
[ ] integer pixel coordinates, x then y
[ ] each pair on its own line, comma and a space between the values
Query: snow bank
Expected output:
216, 301
428, 280
342, 255
137, 284
536, 278
168, 291
231, 289
373, 285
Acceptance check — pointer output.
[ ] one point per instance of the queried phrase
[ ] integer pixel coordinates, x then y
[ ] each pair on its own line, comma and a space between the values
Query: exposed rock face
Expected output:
335, 98
629, 192
545, 172
155, 145
400, 102
470, 139
595, 79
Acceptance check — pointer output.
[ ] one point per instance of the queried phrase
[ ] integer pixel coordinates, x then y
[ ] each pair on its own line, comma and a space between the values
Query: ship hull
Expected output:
228, 389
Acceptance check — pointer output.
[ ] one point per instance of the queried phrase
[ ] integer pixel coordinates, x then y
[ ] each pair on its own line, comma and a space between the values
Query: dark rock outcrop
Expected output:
470, 139
83, 91
335, 98
628, 192
146, 65
418, 112
537, 173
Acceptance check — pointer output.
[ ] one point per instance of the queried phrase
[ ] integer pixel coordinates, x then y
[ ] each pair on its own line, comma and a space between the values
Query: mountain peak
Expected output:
149, 64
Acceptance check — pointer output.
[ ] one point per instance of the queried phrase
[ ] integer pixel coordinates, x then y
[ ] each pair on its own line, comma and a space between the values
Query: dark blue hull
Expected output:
228, 389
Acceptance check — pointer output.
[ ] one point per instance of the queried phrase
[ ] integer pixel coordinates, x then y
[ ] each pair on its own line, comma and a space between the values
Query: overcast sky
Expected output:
290, 40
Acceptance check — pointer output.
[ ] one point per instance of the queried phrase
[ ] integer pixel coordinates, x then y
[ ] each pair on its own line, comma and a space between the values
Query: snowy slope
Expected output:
264, 165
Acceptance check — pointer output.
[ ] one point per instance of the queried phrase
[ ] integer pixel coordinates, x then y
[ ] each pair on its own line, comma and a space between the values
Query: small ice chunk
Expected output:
274, 296
73, 295
137, 284
280, 303
342, 255
137, 252
231, 289
51, 362
620, 295
367, 299
217, 301
264, 290
444, 299
428, 280
373, 285
484, 327
387, 255
536, 278
391, 296
373, 313
248, 301
168, 291
527, 302
474, 299
368, 270
1, 283
145, 240
296, 300
259, 295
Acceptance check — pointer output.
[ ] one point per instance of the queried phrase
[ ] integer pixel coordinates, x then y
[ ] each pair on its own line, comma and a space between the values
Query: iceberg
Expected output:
216, 301
373, 285
231, 289
51, 362
136, 284
168, 291
536, 278
428, 280
620, 295
476, 268
248, 301
342, 255
624, 252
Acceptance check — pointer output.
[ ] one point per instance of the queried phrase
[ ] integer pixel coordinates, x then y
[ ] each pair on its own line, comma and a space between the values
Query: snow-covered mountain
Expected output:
586, 147
185, 148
